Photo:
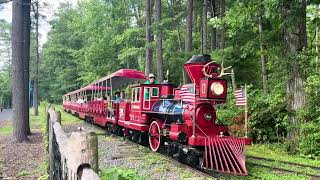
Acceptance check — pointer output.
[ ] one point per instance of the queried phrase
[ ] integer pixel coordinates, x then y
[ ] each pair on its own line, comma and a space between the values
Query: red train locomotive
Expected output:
180, 120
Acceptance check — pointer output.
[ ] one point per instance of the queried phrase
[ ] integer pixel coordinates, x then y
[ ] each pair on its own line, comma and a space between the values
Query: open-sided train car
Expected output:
180, 119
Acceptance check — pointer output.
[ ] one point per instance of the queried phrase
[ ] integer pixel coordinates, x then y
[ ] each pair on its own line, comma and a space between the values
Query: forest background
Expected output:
256, 38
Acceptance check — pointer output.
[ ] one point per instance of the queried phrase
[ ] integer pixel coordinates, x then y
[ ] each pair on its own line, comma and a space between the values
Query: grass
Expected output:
67, 118
278, 152
23, 173
118, 173
6, 129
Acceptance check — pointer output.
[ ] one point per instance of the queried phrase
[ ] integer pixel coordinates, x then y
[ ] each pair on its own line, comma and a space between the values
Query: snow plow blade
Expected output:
225, 154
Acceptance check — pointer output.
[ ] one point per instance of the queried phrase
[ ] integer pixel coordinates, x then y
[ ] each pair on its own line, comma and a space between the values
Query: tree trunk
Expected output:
26, 57
148, 38
213, 30
18, 80
317, 41
159, 42
222, 30
36, 79
263, 59
188, 47
204, 27
295, 40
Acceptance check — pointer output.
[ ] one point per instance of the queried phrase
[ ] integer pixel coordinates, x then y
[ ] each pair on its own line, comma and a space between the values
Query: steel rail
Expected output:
285, 162
312, 176
218, 175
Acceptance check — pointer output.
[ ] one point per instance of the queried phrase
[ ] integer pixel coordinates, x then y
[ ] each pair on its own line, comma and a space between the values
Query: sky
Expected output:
6, 13
44, 27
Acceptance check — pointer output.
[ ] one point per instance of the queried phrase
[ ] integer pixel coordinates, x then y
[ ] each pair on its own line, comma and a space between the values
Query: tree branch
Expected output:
4, 1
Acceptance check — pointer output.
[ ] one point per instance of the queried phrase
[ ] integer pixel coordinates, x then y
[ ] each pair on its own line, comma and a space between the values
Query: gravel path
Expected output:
115, 152
5, 115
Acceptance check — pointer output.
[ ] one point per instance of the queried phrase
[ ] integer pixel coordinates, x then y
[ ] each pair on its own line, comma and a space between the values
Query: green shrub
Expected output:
119, 174
310, 140
267, 115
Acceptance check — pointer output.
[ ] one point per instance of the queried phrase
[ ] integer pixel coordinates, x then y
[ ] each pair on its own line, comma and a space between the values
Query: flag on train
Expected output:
187, 93
241, 99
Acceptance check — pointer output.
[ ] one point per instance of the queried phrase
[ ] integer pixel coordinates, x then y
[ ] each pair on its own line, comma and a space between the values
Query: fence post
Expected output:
50, 144
58, 114
84, 150
74, 157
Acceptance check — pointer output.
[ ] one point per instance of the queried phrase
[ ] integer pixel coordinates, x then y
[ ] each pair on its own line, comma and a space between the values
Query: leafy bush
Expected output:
119, 174
267, 115
309, 141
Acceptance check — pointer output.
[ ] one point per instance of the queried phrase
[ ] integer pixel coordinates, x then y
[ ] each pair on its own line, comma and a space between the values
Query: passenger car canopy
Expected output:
121, 78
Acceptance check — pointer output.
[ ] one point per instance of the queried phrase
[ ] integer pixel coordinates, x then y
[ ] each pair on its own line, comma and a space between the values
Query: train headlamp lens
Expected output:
217, 88
207, 116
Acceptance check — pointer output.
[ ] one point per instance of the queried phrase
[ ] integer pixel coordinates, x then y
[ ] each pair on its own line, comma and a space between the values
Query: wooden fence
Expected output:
71, 157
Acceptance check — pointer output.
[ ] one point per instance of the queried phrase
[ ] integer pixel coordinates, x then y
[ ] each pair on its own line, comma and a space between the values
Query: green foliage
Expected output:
5, 71
309, 141
119, 174
268, 117
96, 37
227, 112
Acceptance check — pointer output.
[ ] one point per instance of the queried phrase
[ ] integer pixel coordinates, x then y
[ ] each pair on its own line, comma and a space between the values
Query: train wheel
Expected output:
154, 136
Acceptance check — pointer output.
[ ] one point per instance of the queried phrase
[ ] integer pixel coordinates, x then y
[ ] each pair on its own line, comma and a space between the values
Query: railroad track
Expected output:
214, 174
178, 163
284, 170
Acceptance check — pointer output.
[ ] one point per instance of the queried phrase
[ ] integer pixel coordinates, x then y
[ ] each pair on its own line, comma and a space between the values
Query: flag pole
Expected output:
246, 111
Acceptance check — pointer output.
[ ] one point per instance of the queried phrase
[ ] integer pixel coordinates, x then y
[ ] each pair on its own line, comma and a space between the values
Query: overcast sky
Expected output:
6, 13
44, 28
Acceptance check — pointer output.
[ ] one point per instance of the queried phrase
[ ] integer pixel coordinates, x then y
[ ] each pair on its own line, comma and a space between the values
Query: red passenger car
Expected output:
181, 120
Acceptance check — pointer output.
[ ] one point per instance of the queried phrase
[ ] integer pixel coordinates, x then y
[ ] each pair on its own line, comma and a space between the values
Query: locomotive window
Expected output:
155, 92
146, 93
132, 94
135, 94
138, 94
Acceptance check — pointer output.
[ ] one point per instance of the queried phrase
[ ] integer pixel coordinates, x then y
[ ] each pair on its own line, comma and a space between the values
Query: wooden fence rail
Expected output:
71, 157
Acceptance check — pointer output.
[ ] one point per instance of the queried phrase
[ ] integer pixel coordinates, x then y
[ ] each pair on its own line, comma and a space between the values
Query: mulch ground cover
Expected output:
21, 160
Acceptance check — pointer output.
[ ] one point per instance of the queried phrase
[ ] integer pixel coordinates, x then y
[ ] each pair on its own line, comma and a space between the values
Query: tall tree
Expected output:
159, 41
295, 40
222, 30
213, 31
263, 58
188, 46
204, 27
26, 59
148, 63
36, 77
20, 25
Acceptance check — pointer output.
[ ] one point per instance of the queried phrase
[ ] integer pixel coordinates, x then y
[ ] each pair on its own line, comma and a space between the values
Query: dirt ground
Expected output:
21, 160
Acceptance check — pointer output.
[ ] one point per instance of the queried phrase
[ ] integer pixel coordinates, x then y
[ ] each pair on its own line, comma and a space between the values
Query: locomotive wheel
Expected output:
154, 136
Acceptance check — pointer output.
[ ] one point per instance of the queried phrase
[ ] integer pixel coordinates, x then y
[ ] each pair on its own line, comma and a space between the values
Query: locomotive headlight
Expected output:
207, 116
217, 88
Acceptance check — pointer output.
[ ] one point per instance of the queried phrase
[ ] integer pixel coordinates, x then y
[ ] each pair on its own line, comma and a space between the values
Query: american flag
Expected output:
187, 93
240, 98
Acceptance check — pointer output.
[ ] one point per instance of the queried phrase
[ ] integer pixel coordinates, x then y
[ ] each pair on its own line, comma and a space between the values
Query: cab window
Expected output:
135, 94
